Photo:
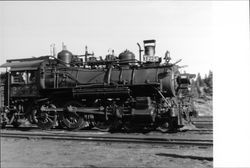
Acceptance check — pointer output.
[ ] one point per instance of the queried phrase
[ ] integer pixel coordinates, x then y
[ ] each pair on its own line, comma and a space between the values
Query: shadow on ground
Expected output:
185, 156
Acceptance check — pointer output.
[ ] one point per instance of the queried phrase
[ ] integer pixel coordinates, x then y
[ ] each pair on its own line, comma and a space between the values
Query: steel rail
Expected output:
202, 124
205, 130
201, 130
153, 141
202, 121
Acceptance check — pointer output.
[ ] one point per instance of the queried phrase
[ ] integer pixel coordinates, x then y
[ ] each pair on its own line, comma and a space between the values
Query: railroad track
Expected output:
203, 131
207, 119
101, 138
203, 125
34, 128
203, 122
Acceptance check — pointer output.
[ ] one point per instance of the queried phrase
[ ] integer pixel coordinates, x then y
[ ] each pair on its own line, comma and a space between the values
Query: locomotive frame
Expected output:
111, 94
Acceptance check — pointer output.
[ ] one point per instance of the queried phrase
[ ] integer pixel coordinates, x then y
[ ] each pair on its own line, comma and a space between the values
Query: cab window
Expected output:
18, 77
31, 77
23, 77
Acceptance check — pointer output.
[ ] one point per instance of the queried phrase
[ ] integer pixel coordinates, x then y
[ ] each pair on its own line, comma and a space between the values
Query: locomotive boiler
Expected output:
81, 91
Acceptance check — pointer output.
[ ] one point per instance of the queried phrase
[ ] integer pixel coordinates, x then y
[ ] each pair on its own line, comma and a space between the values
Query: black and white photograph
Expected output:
124, 84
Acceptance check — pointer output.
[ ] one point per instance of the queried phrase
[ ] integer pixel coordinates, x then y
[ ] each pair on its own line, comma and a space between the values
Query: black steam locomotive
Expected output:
81, 91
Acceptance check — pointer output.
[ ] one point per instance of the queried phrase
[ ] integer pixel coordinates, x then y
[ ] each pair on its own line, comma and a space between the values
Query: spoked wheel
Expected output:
16, 118
104, 126
164, 127
107, 125
16, 124
43, 118
170, 126
29, 108
3, 125
72, 120
2, 122
90, 123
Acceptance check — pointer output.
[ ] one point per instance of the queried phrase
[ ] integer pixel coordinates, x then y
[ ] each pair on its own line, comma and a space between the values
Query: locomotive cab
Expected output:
23, 83
23, 78
21, 89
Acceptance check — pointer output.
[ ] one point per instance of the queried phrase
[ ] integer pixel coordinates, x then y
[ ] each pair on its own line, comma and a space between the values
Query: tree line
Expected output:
202, 87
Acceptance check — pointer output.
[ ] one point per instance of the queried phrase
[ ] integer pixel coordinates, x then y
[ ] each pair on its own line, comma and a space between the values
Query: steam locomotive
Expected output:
82, 91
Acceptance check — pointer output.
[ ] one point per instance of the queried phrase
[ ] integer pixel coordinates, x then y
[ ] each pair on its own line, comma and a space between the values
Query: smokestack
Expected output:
149, 47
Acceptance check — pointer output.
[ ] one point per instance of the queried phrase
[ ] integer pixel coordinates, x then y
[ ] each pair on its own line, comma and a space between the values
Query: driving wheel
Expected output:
70, 118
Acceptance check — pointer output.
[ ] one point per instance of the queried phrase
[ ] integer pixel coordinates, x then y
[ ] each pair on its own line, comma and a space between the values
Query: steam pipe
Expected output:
140, 50
8, 91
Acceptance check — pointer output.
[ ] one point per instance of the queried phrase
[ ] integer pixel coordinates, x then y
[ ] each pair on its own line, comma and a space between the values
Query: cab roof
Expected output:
22, 65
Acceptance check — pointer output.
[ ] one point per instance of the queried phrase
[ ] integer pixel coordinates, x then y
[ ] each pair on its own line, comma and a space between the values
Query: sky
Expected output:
183, 28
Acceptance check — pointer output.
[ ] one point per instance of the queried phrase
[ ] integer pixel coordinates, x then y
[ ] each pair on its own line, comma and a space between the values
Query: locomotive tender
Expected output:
81, 91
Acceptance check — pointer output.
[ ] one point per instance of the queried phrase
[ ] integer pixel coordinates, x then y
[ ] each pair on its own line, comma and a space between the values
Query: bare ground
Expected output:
47, 153
204, 107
